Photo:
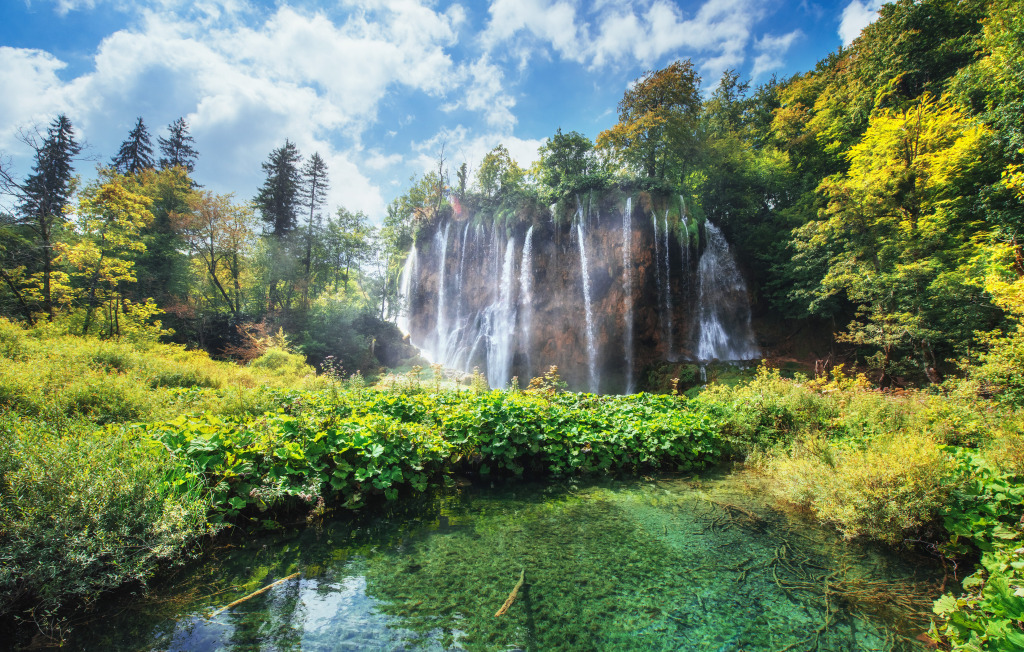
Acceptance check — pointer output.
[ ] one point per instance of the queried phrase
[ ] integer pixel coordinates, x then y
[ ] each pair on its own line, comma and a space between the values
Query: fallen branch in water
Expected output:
253, 594
512, 596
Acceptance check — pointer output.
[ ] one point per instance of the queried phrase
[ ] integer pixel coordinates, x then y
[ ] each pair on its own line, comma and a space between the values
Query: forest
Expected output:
176, 364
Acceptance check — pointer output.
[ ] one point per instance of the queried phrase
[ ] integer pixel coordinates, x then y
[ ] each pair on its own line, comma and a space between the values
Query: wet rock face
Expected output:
475, 300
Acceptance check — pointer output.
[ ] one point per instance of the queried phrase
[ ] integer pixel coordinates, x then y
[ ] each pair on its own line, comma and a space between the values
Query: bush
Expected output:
1000, 372
282, 363
85, 511
889, 489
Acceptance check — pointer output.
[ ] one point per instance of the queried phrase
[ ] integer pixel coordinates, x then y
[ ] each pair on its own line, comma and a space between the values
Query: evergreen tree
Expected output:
136, 153
177, 148
280, 196
314, 177
45, 195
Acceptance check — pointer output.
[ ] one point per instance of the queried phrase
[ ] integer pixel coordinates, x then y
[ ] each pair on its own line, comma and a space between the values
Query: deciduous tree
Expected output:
658, 116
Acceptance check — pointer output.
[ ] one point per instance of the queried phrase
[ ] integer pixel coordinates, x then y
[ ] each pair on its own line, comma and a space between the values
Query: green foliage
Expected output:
985, 514
344, 445
898, 226
83, 511
58, 377
657, 122
499, 176
568, 165
1000, 369
869, 462
888, 489
282, 362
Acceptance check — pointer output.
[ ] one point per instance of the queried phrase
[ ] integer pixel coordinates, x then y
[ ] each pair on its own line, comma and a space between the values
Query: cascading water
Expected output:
442, 327
585, 273
668, 292
501, 320
724, 331
526, 300
684, 245
627, 283
657, 276
458, 278
509, 294
406, 284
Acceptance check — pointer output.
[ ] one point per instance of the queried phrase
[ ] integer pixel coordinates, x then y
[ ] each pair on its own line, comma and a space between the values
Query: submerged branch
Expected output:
254, 594
512, 596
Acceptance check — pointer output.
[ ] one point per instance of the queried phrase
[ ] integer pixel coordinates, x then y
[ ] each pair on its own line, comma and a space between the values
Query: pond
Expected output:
662, 563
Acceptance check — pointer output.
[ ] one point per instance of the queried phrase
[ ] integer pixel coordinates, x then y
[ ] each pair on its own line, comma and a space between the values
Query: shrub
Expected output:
282, 362
1000, 372
888, 489
84, 511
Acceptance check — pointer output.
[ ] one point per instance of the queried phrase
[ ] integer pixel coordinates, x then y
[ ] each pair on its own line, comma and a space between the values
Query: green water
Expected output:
657, 564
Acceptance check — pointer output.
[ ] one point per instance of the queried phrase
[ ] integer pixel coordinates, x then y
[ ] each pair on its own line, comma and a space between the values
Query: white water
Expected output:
668, 292
684, 243
585, 273
502, 322
627, 289
405, 289
724, 331
657, 275
458, 277
442, 329
526, 301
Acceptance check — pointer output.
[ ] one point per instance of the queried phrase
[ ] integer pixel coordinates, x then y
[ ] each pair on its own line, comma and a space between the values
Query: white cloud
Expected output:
378, 160
856, 16
551, 22
627, 33
771, 50
32, 93
461, 145
246, 81
485, 93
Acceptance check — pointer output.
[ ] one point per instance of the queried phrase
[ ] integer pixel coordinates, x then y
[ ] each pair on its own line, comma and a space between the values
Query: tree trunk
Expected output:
19, 297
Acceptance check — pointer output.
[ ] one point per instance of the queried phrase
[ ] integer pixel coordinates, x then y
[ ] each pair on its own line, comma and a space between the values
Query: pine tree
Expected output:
314, 190
280, 196
177, 148
45, 195
136, 153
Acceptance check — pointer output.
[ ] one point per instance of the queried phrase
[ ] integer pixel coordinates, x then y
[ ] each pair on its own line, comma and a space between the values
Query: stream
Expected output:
705, 562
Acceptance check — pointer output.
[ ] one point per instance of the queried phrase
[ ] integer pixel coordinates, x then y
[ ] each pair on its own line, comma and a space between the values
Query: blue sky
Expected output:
375, 86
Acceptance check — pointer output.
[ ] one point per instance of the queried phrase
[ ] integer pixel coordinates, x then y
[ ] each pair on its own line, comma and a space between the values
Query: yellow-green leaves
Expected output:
896, 226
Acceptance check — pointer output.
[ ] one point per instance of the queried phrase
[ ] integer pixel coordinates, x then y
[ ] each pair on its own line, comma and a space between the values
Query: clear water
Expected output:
653, 564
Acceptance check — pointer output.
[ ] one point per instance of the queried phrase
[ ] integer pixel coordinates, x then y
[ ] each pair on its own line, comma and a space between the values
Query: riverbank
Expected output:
118, 457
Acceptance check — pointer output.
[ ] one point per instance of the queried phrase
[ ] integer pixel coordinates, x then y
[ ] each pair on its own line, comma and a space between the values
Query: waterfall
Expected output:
585, 273
627, 289
517, 295
684, 242
657, 275
502, 322
405, 289
442, 334
668, 292
724, 330
526, 301
458, 277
